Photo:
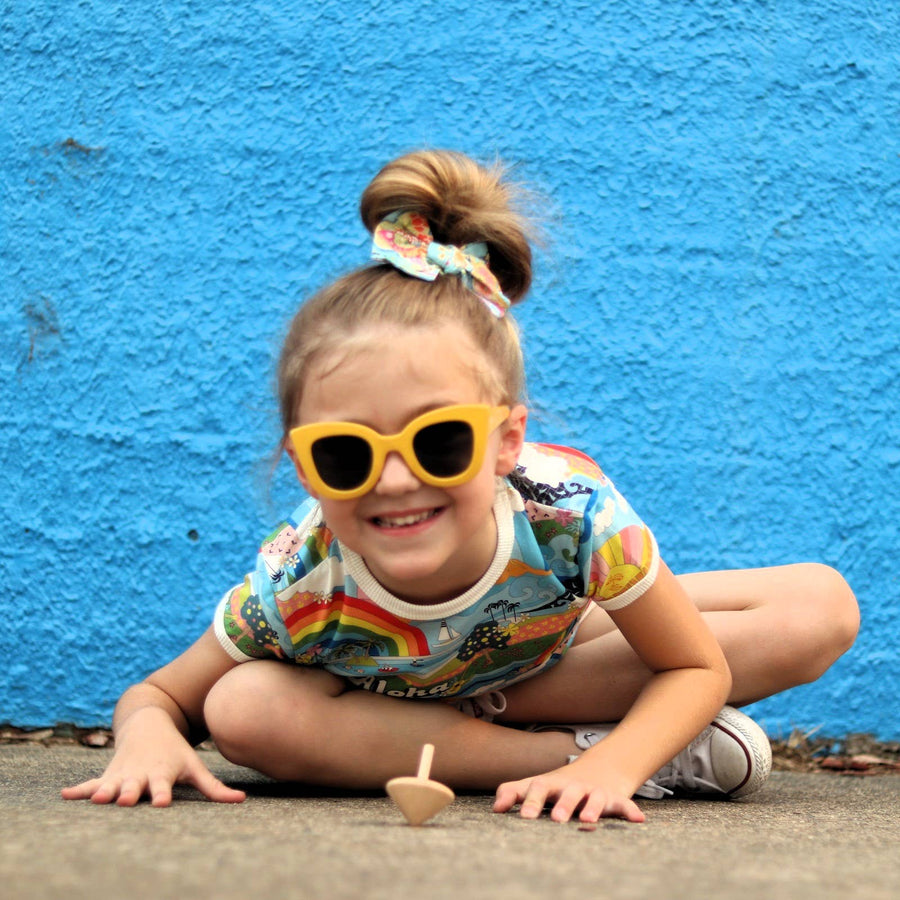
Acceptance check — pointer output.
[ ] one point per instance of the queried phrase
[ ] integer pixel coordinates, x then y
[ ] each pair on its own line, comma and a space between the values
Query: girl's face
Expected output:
421, 542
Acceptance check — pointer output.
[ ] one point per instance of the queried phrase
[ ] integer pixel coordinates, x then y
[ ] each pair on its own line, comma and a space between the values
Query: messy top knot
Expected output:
464, 203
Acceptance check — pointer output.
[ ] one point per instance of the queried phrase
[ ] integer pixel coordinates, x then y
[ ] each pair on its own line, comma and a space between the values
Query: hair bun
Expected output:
464, 202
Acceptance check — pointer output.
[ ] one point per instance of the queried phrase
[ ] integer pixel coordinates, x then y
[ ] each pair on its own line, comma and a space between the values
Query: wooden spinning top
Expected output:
420, 798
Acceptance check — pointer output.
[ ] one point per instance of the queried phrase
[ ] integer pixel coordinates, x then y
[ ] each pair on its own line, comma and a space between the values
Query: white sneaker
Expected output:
731, 757
483, 706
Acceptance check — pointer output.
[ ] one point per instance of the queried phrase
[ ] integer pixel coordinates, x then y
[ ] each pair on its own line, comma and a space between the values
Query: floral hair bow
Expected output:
405, 241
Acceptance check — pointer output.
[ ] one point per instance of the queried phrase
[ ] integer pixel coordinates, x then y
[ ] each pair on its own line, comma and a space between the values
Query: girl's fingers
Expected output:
593, 808
160, 790
130, 792
534, 799
532, 795
513, 792
595, 804
568, 802
80, 791
211, 787
599, 805
631, 811
155, 781
107, 790
506, 798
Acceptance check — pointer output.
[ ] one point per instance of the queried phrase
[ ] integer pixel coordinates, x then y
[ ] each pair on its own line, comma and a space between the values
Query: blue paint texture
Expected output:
715, 316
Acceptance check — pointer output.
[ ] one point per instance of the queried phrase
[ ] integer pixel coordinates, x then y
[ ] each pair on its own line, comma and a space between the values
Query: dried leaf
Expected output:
42, 734
868, 759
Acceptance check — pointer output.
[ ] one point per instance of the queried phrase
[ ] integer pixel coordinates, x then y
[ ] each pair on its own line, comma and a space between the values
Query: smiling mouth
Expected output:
405, 521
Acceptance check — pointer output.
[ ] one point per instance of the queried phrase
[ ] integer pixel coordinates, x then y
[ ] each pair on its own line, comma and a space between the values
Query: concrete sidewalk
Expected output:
815, 835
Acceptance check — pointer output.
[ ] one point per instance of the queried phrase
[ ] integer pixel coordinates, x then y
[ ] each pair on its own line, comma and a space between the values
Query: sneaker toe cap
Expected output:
741, 760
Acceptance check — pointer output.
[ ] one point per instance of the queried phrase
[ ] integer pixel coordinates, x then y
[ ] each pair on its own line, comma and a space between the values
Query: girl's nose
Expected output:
396, 477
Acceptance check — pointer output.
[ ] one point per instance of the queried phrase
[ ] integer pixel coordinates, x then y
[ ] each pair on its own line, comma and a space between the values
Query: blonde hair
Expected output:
463, 202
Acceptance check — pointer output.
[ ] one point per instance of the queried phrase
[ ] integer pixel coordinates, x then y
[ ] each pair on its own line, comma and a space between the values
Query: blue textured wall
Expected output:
715, 318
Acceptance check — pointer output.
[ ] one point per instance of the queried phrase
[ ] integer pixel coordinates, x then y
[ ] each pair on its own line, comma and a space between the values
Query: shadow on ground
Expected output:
804, 834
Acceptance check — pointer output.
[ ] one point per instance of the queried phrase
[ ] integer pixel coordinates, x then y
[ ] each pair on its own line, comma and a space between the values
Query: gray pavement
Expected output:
804, 835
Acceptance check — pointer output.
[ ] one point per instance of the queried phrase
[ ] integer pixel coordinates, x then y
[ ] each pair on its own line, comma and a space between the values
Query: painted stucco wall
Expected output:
715, 316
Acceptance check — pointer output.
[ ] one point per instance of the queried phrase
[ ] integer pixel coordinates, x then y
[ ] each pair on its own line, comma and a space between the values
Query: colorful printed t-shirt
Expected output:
566, 537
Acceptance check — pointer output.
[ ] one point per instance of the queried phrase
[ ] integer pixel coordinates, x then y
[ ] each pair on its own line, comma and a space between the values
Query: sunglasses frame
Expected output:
482, 418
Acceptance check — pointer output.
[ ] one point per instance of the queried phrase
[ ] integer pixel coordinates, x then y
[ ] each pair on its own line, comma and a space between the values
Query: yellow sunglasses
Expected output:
444, 448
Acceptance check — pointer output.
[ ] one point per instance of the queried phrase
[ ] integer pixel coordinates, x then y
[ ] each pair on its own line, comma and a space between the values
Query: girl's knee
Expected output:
249, 707
233, 710
824, 623
837, 607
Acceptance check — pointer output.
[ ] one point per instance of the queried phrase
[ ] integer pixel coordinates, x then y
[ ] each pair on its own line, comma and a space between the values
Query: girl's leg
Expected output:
300, 724
779, 627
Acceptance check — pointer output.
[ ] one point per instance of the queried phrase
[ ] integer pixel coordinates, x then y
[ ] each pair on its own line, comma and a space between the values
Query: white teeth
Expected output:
400, 521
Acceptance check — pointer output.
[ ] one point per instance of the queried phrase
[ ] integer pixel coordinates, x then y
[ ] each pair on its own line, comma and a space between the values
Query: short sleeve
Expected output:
624, 558
248, 622
617, 557
242, 626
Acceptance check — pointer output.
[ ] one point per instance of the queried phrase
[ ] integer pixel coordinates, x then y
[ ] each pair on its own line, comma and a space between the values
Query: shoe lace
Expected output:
684, 771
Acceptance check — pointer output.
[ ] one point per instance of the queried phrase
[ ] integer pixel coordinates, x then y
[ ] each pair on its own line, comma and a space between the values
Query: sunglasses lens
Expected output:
445, 448
343, 461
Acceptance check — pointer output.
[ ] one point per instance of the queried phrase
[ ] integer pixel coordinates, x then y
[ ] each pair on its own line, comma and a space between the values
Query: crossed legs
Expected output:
778, 627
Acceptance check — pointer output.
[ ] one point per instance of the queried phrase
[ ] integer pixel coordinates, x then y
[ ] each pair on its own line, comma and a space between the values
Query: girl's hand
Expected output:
151, 756
150, 722
573, 787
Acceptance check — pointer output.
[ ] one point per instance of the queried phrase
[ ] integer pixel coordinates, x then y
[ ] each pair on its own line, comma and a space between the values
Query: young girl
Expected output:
449, 583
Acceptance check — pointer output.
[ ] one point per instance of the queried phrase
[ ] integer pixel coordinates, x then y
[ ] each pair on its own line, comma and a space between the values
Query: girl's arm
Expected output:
153, 723
689, 686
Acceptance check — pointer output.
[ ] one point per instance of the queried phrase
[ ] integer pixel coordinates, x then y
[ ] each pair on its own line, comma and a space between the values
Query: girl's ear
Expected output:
303, 479
512, 437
